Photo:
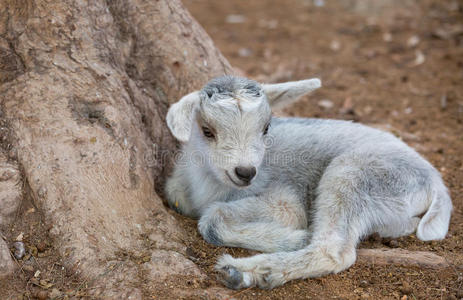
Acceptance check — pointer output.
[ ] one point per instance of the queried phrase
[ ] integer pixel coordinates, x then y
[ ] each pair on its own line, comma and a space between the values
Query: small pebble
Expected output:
391, 243
42, 295
20, 237
406, 289
363, 283
413, 41
387, 37
19, 250
325, 104
419, 58
319, 3
335, 45
244, 52
394, 244
235, 19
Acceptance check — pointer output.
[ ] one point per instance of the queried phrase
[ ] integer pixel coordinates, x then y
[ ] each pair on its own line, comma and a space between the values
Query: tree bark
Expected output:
84, 89
10, 197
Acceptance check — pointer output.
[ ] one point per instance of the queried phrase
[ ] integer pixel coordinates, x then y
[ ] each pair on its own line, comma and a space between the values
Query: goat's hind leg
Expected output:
341, 217
331, 250
406, 227
268, 223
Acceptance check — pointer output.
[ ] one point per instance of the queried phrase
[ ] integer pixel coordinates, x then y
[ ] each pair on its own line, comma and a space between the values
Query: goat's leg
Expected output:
268, 223
407, 227
357, 194
332, 249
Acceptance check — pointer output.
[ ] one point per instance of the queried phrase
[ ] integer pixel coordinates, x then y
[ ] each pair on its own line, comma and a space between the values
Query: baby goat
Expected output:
303, 190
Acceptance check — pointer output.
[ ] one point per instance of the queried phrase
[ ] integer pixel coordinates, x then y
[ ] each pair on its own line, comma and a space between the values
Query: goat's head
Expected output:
226, 123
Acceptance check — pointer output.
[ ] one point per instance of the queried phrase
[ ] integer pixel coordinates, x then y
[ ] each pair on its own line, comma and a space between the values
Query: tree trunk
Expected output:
84, 89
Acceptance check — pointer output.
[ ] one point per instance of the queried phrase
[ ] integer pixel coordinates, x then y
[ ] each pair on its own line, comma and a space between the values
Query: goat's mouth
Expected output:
242, 184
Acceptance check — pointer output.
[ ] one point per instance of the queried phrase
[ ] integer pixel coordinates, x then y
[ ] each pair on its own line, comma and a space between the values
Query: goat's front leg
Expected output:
268, 223
177, 196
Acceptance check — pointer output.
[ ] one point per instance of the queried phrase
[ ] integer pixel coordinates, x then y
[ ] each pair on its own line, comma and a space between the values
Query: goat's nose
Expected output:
245, 173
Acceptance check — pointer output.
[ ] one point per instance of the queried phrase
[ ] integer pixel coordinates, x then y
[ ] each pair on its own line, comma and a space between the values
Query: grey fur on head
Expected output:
230, 86
304, 190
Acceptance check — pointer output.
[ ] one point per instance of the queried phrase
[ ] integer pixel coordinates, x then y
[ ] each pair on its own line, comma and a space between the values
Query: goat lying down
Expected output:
305, 191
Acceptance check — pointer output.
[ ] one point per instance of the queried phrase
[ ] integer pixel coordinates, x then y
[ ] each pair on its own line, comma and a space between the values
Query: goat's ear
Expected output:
283, 94
180, 115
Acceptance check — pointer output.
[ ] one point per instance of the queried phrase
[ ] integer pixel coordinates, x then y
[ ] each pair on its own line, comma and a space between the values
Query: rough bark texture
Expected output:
10, 190
7, 265
10, 198
84, 88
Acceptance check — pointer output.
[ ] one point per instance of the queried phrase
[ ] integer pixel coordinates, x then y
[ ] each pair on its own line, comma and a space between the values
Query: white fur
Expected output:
321, 185
283, 94
179, 116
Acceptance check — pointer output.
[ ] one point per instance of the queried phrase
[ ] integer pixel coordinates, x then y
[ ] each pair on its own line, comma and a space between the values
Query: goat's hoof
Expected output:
231, 277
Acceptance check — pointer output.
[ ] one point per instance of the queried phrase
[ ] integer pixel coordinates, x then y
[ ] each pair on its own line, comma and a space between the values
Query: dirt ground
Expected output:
370, 59
398, 67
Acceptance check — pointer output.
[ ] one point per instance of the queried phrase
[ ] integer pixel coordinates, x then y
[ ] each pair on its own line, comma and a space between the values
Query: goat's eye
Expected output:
266, 129
208, 133
254, 92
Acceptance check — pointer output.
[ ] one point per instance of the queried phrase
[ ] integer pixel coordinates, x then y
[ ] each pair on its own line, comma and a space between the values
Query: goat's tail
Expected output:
435, 223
